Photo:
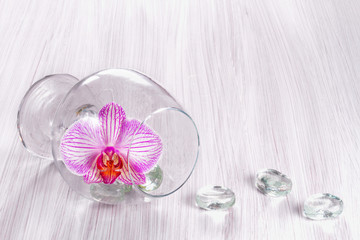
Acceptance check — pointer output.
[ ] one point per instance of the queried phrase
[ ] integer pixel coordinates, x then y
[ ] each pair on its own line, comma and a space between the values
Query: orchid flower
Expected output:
97, 149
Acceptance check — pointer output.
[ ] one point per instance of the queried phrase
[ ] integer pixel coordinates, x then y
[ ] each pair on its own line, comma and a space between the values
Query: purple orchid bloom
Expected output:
97, 148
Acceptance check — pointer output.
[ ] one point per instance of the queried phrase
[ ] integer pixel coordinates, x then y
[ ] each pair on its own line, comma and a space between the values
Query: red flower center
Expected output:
109, 163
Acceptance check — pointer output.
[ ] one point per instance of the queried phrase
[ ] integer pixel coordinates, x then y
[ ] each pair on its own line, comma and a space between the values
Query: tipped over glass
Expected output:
115, 136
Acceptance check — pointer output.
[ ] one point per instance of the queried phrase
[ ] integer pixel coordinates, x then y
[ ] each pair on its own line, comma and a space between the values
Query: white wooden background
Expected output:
270, 84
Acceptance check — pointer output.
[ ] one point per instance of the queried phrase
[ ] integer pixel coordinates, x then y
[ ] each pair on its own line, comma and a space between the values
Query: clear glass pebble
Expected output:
153, 179
126, 187
273, 183
215, 198
323, 206
111, 193
86, 110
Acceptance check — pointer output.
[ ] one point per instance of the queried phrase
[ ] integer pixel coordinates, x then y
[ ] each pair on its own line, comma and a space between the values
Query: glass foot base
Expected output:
37, 110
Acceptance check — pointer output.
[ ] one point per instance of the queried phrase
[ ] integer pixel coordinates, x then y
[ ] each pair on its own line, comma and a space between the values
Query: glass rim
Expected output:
161, 110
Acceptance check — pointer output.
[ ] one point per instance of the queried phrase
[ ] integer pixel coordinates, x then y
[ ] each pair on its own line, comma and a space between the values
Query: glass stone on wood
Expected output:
86, 110
110, 193
153, 179
273, 183
323, 206
126, 187
215, 198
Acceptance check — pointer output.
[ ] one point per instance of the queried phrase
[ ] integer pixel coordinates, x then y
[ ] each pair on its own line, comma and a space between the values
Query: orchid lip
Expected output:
110, 163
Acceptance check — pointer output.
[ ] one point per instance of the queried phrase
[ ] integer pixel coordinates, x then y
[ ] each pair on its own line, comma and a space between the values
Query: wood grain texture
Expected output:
270, 84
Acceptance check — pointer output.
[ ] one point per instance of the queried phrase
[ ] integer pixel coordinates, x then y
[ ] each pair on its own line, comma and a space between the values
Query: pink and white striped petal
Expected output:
93, 175
81, 144
111, 117
146, 145
137, 177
